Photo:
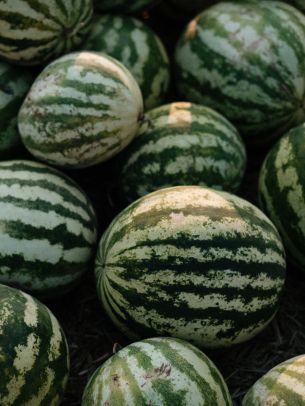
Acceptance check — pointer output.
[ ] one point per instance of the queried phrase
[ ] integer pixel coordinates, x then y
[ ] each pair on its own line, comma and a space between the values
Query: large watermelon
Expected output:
283, 385
157, 371
282, 191
193, 263
14, 85
81, 110
34, 355
246, 59
48, 228
33, 32
138, 48
184, 144
122, 6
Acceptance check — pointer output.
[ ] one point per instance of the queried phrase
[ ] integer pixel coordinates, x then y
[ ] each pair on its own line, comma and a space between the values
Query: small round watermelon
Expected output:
193, 263
138, 48
122, 6
246, 60
82, 109
14, 85
48, 229
157, 371
34, 32
283, 385
282, 191
34, 355
184, 144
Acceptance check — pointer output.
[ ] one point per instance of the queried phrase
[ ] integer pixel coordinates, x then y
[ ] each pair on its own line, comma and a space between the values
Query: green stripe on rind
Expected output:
184, 144
138, 48
82, 109
211, 256
36, 31
34, 355
14, 85
122, 6
48, 229
282, 385
247, 61
161, 371
282, 191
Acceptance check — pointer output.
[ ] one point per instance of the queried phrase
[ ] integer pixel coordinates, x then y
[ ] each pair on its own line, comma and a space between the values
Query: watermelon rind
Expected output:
34, 354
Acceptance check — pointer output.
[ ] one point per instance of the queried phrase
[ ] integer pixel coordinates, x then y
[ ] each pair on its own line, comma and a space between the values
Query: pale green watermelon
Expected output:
82, 109
283, 385
157, 371
191, 262
138, 48
34, 355
48, 229
14, 85
246, 59
282, 191
183, 144
34, 32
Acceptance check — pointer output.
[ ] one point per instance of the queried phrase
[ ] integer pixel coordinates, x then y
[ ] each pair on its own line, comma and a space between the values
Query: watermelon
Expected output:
48, 229
246, 60
82, 109
282, 190
157, 371
138, 48
14, 85
191, 262
34, 355
34, 32
122, 6
184, 144
283, 385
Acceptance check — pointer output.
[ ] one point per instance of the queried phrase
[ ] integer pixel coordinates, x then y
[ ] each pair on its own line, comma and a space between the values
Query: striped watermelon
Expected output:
282, 190
14, 84
34, 355
82, 109
185, 144
33, 32
193, 263
134, 44
48, 229
122, 6
157, 371
247, 60
283, 385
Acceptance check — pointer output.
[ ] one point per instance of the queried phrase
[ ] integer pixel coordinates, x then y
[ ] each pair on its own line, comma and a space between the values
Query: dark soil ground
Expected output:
93, 338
